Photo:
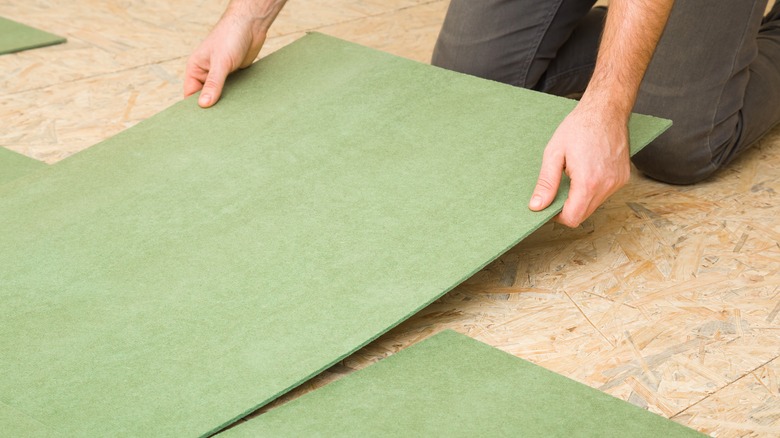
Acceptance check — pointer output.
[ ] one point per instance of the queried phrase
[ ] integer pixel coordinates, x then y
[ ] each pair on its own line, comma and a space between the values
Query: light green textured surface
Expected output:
453, 386
15, 37
13, 165
189, 270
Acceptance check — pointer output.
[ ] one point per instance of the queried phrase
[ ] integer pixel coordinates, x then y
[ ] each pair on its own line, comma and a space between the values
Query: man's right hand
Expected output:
233, 43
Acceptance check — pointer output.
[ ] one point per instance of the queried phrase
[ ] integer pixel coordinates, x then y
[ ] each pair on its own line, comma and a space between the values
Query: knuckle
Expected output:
552, 153
612, 182
569, 222
591, 185
550, 149
616, 181
544, 184
211, 84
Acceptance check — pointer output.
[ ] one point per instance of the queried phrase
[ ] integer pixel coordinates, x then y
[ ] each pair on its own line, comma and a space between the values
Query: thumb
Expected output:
212, 86
548, 182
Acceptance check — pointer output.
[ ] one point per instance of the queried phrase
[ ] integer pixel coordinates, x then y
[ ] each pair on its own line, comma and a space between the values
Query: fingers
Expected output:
208, 81
191, 86
549, 180
578, 206
212, 86
586, 195
234, 43
193, 78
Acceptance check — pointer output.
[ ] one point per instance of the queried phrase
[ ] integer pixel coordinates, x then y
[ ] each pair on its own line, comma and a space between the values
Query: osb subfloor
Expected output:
668, 297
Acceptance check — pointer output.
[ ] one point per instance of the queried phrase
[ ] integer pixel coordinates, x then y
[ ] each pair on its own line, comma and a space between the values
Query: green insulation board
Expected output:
453, 386
189, 270
15, 37
13, 165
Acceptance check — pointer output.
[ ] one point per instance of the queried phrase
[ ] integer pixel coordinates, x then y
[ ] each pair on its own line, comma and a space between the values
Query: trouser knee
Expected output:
675, 160
458, 54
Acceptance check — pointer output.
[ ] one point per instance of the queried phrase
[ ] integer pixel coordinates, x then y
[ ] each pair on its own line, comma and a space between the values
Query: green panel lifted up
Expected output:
15, 37
453, 386
189, 270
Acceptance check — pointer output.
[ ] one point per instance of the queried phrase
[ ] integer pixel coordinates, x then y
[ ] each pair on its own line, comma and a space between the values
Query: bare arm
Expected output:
591, 144
234, 43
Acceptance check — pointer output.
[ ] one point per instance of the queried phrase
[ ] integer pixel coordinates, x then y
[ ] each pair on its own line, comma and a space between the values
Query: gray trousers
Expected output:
715, 72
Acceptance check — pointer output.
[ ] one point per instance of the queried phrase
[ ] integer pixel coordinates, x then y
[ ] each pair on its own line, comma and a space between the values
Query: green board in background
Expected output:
189, 270
13, 165
15, 37
453, 386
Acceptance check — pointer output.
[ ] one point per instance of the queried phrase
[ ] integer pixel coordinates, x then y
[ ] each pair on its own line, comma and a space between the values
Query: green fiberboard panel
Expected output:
453, 386
15, 37
194, 267
13, 165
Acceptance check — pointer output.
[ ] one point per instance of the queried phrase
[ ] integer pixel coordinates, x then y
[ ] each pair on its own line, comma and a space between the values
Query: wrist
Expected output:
611, 105
258, 14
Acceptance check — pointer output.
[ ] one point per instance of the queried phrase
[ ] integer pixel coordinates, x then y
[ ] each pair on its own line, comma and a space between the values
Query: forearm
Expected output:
261, 12
631, 34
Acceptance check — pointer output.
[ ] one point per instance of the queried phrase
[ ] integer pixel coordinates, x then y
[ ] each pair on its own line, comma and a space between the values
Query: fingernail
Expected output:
204, 99
536, 201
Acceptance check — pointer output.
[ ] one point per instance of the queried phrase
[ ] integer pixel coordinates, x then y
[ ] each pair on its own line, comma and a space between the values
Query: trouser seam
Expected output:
523, 78
732, 71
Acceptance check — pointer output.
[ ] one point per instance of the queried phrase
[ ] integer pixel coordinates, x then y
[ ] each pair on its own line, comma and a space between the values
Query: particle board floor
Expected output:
667, 297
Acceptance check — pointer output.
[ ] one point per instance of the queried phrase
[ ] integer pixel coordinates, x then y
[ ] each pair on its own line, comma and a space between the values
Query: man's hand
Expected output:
593, 151
233, 43
591, 144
